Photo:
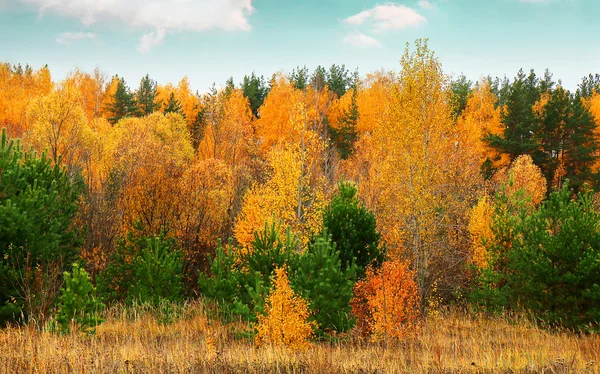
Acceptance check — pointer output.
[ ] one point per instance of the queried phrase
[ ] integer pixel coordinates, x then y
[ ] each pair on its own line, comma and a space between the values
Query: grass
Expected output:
133, 340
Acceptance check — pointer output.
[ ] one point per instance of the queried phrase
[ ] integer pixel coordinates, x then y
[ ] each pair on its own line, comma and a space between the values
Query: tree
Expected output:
173, 106
345, 133
545, 261
38, 240
387, 302
518, 117
145, 96
461, 91
285, 321
339, 79
122, 105
353, 229
256, 90
60, 126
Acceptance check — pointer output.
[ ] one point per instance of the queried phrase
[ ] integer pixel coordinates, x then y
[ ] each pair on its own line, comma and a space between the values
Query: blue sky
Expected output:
211, 40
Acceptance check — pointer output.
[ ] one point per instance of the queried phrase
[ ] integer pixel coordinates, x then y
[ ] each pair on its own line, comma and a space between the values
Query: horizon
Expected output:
495, 38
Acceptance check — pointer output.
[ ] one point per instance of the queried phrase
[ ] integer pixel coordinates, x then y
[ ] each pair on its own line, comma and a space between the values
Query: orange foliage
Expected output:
481, 118
524, 175
480, 228
386, 302
183, 93
91, 90
286, 320
18, 88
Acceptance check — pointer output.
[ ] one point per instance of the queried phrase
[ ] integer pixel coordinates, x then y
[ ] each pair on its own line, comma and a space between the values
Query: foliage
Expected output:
78, 305
38, 205
157, 272
286, 316
325, 284
386, 302
353, 229
546, 261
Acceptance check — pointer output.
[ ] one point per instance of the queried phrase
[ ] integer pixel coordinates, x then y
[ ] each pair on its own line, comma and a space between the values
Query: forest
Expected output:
311, 221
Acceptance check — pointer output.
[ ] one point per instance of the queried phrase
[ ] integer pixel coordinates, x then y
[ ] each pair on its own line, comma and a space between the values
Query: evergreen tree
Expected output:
461, 89
589, 85
353, 229
145, 96
299, 78
345, 137
256, 90
123, 104
519, 119
339, 79
38, 205
173, 106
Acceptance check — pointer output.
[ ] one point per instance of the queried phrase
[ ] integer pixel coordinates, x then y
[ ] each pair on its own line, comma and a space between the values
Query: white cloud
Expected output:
70, 37
424, 4
388, 16
361, 41
155, 17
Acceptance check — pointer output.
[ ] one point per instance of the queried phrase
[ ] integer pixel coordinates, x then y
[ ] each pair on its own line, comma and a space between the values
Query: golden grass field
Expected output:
133, 341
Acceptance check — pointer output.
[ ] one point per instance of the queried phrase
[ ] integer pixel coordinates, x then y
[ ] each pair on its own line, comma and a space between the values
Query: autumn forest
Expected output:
410, 217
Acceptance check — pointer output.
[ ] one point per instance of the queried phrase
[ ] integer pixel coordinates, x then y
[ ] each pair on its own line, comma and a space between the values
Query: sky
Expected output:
212, 40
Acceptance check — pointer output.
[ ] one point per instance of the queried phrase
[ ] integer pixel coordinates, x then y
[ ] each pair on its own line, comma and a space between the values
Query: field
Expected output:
134, 341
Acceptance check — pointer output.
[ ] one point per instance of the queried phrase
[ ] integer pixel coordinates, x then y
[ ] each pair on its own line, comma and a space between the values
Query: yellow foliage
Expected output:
291, 194
480, 228
481, 118
524, 175
285, 322
59, 125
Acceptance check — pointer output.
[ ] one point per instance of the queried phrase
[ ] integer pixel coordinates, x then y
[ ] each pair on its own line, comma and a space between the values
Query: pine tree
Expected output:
145, 96
345, 137
173, 106
256, 90
123, 104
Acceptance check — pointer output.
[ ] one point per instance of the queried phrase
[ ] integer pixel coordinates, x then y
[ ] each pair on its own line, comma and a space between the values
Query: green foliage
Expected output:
158, 272
38, 204
143, 269
353, 229
548, 261
173, 106
123, 104
256, 90
320, 279
145, 96
78, 305
345, 137
461, 89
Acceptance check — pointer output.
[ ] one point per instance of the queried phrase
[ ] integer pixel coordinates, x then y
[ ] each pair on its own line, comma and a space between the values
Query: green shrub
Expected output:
158, 272
319, 278
78, 305
548, 262
353, 229
38, 205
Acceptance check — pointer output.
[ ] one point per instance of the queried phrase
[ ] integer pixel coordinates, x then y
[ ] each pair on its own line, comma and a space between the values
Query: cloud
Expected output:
155, 17
70, 37
388, 16
361, 41
424, 4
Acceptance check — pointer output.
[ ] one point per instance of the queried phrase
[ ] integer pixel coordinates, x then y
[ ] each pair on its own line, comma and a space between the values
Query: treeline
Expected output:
377, 199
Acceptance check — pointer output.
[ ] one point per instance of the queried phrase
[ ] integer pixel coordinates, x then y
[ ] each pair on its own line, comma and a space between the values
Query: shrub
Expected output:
549, 265
387, 301
78, 305
353, 229
286, 316
158, 272
320, 279
38, 205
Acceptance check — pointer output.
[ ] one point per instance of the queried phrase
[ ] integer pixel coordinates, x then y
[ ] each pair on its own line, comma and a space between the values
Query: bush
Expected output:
142, 268
38, 205
353, 229
78, 305
285, 321
320, 280
549, 264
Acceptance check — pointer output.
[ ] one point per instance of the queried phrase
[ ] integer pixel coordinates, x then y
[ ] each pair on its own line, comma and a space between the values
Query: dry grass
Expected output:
132, 341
